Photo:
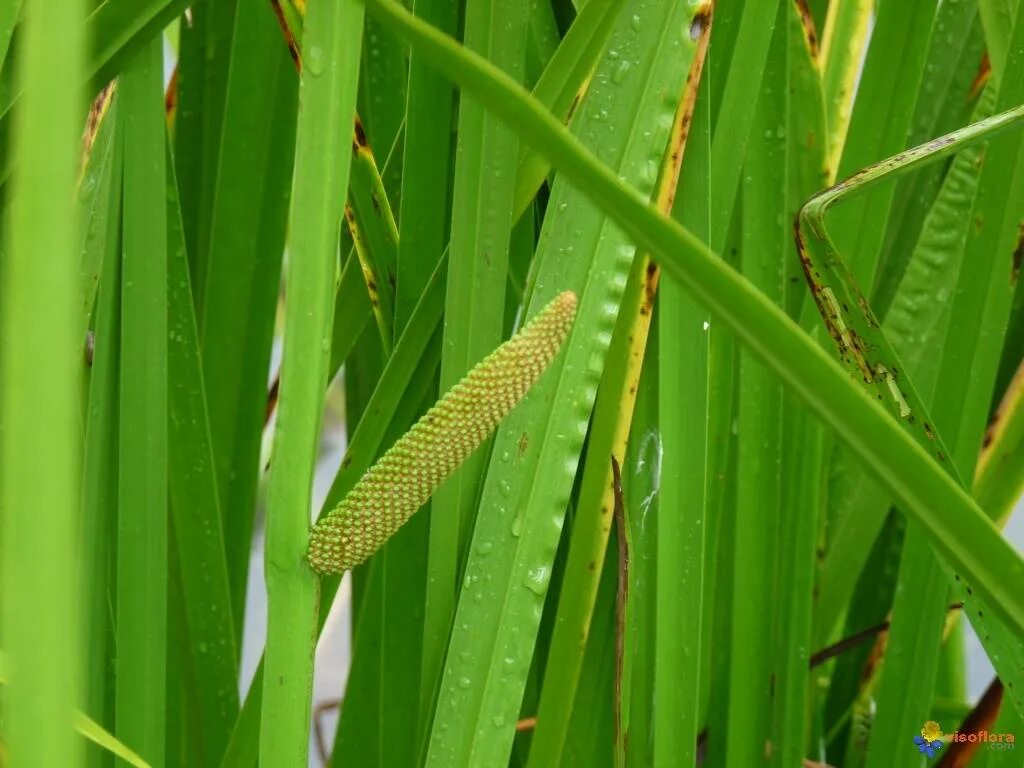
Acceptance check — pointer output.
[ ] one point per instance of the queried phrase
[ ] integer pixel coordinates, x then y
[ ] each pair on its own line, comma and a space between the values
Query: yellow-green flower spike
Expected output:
406, 476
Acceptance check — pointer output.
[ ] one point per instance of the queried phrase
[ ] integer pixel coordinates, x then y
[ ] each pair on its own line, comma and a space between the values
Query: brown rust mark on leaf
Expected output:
275, 388
98, 110
651, 275
979, 719
359, 142
700, 31
810, 30
89, 350
982, 77
1008, 404
289, 38
171, 96
524, 442
701, 22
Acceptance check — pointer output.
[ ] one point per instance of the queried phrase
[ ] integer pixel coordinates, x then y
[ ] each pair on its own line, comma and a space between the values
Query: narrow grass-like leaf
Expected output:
684, 348
382, 84
142, 495
955, 524
608, 434
40, 436
641, 481
374, 232
201, 86
563, 82
426, 167
250, 194
482, 197
952, 86
892, 74
584, 572
999, 477
98, 186
100, 464
352, 311
196, 514
803, 457
845, 34
912, 651
758, 479
331, 42
598, 694
997, 18
521, 511
731, 134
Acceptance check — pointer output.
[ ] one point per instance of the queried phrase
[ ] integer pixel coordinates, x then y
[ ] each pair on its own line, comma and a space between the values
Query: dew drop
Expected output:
537, 579
620, 72
315, 61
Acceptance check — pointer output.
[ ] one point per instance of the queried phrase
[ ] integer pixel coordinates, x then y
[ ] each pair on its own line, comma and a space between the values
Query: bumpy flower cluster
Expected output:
411, 470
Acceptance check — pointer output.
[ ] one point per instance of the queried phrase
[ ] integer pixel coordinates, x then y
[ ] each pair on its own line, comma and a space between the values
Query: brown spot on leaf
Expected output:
650, 287
289, 38
701, 21
359, 136
810, 30
981, 78
90, 347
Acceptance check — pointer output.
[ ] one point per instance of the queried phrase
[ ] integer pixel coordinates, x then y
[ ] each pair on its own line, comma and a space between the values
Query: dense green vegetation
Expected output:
744, 517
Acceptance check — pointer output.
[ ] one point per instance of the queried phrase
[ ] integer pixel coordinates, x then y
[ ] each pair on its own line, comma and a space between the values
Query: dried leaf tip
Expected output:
405, 477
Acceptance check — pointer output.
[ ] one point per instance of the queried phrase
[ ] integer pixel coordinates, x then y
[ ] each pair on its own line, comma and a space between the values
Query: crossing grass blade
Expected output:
248, 199
100, 463
142, 494
211, 645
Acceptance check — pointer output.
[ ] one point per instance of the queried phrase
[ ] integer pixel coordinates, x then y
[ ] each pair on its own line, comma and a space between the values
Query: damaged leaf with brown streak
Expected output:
870, 358
862, 346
